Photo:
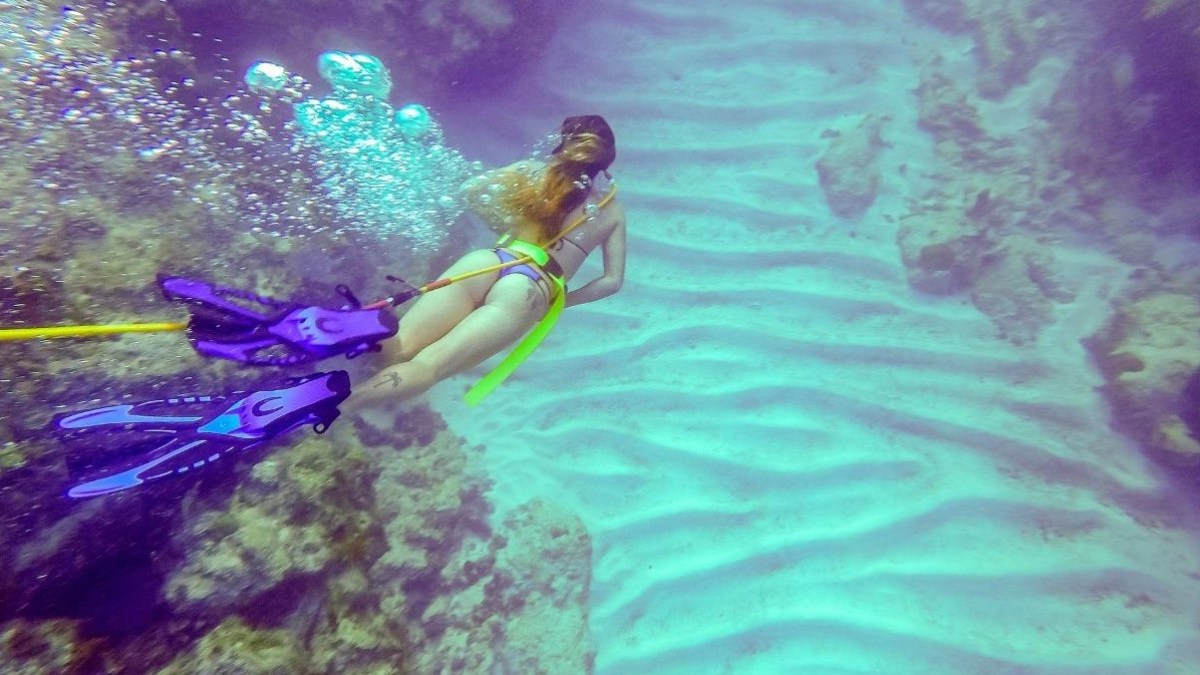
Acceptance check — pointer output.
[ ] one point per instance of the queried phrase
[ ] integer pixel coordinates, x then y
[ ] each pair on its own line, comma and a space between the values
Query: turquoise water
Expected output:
900, 379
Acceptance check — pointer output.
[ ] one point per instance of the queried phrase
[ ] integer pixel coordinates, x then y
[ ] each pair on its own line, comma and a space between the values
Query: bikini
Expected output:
526, 269
536, 263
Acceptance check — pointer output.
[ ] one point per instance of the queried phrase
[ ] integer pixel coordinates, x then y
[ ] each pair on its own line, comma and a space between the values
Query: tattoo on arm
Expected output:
392, 379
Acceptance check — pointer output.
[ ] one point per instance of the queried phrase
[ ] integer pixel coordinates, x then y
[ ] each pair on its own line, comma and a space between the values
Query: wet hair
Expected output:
586, 147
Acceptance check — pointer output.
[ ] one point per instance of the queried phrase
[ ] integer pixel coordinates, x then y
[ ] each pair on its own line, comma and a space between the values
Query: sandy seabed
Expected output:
790, 461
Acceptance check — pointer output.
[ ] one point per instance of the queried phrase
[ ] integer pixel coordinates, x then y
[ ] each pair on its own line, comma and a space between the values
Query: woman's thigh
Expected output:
435, 313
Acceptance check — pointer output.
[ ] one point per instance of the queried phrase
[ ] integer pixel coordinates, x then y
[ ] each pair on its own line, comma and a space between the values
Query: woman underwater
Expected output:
555, 213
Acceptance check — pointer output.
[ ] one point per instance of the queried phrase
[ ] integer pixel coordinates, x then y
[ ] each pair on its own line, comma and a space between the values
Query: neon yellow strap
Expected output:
536, 253
522, 351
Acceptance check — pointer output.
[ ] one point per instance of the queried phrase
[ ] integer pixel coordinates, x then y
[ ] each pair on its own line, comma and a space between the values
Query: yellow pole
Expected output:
9, 334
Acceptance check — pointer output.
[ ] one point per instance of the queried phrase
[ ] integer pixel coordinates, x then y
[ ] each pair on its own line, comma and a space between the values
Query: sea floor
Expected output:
791, 462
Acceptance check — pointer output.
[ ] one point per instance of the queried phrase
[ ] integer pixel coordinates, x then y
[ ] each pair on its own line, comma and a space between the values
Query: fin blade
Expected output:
181, 456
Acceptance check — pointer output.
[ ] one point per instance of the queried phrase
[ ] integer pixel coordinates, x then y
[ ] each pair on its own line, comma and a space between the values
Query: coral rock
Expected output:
849, 169
1148, 353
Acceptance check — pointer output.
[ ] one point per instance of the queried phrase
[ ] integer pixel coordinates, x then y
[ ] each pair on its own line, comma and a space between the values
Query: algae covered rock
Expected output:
304, 511
1008, 35
1018, 287
234, 647
471, 597
53, 646
1005, 292
548, 561
941, 251
849, 169
1149, 354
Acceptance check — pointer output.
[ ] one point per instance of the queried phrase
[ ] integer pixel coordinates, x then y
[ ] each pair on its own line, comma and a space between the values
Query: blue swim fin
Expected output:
199, 430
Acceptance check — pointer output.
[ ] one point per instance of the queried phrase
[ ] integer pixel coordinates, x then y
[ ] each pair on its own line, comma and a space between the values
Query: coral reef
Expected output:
1009, 36
941, 251
986, 228
473, 599
329, 556
185, 184
234, 647
849, 169
1149, 355
1126, 110
55, 646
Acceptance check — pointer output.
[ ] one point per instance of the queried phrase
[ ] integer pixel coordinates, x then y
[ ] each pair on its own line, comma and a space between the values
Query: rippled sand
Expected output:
789, 461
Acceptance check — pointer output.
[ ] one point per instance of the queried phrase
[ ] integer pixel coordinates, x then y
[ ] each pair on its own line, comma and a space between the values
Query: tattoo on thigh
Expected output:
393, 379
532, 297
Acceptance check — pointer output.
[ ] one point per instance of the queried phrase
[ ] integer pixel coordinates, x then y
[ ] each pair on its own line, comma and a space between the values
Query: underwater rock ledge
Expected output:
333, 555
1149, 355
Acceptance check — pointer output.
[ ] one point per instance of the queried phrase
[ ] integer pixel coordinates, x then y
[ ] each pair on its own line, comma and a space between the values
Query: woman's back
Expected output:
597, 226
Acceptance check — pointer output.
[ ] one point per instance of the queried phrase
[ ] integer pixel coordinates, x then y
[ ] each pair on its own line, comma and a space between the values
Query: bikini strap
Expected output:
583, 217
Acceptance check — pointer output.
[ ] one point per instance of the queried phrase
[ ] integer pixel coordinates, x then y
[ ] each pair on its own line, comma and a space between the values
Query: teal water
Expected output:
795, 445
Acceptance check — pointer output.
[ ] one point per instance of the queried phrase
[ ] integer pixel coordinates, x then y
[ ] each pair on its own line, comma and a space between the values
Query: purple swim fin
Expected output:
238, 325
199, 430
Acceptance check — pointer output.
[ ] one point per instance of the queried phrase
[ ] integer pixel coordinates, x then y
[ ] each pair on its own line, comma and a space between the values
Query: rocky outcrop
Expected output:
1008, 36
1149, 355
1126, 110
343, 553
54, 646
849, 169
1010, 278
470, 598
285, 558
942, 251
982, 229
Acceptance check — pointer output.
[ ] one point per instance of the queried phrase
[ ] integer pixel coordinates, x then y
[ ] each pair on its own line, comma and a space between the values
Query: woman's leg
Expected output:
510, 309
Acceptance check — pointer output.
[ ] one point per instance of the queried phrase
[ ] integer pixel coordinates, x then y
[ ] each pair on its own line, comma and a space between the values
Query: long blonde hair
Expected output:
564, 183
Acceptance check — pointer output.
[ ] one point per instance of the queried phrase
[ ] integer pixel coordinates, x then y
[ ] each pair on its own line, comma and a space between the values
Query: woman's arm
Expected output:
614, 269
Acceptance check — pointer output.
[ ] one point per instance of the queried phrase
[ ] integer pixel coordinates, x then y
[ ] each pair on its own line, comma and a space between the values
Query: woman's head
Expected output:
586, 147
587, 140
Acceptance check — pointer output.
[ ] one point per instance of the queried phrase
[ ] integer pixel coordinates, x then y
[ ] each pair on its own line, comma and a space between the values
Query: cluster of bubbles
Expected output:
80, 126
77, 125
383, 169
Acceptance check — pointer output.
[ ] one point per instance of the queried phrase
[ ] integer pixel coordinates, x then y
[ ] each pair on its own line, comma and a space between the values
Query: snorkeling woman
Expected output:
555, 214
